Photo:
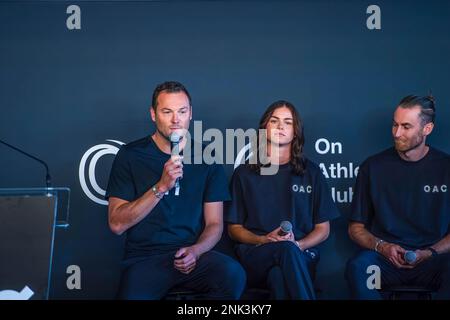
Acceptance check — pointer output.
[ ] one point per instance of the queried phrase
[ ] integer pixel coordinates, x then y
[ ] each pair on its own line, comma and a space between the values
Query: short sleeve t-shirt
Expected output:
404, 202
177, 220
261, 202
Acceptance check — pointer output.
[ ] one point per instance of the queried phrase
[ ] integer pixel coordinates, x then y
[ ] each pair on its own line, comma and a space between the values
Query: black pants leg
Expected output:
295, 282
216, 275
433, 273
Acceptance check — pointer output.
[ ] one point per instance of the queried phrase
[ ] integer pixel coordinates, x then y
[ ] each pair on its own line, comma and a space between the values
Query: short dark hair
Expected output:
169, 87
426, 104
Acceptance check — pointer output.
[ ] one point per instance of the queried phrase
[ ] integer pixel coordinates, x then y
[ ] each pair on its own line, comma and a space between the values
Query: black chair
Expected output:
407, 293
180, 293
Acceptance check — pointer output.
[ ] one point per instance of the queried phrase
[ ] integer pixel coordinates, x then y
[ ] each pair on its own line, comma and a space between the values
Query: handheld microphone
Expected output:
175, 151
285, 228
410, 257
48, 179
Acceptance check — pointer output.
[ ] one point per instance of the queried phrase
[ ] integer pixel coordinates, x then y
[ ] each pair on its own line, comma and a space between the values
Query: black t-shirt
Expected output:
176, 221
261, 202
404, 202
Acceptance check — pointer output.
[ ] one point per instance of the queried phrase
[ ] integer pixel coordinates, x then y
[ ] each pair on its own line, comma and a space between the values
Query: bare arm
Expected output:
186, 258
359, 234
319, 234
443, 246
213, 213
123, 214
393, 252
239, 233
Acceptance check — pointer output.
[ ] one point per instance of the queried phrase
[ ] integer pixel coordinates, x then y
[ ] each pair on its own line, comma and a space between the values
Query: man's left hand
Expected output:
185, 260
421, 256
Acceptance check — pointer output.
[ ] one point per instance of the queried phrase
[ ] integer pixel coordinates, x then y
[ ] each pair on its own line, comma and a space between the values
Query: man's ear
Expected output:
428, 128
190, 118
153, 114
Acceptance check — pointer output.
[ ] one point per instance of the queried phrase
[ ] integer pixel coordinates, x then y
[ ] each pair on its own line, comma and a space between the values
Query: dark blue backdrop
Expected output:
65, 91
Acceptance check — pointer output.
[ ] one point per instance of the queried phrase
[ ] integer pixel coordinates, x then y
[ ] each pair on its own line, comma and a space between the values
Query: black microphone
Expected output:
175, 151
285, 228
48, 179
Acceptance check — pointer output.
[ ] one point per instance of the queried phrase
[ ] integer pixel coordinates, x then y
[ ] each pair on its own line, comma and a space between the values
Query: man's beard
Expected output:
166, 136
411, 144
162, 134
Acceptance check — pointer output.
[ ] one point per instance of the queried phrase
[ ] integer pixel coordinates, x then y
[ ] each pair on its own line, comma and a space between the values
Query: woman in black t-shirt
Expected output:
281, 261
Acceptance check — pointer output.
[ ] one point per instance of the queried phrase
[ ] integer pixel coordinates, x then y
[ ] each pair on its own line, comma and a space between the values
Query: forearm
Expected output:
315, 237
131, 213
243, 235
443, 246
209, 238
360, 235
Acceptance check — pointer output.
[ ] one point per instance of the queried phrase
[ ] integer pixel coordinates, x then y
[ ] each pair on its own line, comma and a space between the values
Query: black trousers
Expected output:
281, 267
433, 273
216, 275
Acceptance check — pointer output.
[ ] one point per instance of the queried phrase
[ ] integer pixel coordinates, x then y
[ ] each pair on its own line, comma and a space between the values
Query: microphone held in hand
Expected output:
175, 151
174, 143
285, 228
410, 257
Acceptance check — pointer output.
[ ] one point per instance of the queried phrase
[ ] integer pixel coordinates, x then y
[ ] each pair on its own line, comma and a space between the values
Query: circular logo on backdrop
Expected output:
89, 160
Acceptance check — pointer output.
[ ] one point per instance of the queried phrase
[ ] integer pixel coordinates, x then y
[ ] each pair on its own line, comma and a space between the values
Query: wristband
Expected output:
157, 194
434, 253
377, 244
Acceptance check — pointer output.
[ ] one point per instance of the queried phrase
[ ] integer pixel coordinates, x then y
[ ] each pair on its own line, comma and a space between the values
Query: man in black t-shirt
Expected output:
401, 210
170, 211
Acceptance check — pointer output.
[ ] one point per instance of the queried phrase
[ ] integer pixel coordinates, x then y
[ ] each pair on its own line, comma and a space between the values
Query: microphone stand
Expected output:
48, 179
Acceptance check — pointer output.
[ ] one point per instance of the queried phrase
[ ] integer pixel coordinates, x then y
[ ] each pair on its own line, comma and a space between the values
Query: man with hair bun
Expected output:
401, 209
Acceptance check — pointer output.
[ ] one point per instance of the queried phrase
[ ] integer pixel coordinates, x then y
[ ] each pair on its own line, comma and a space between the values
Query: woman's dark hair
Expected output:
297, 159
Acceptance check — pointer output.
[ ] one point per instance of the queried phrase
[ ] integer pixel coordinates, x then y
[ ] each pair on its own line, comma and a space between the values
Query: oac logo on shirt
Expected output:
87, 167
435, 188
301, 188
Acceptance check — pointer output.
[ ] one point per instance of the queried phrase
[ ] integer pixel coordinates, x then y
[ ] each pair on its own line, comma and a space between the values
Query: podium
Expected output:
28, 218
